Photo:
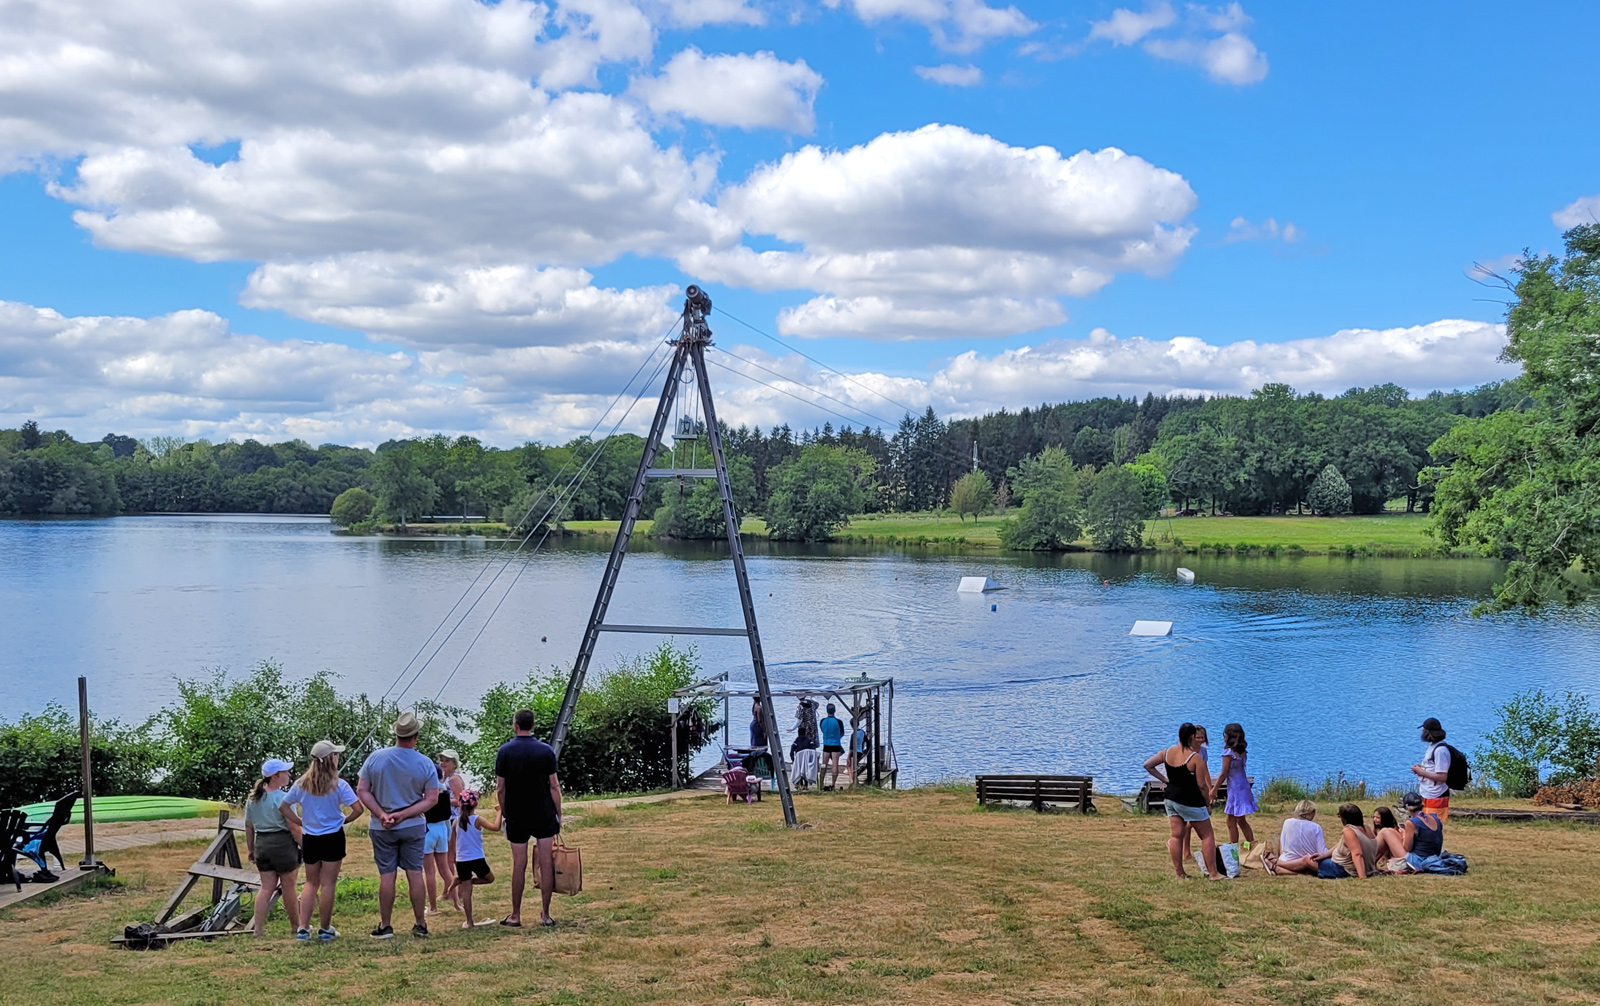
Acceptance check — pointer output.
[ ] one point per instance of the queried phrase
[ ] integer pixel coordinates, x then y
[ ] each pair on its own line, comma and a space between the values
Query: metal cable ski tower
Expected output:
690, 352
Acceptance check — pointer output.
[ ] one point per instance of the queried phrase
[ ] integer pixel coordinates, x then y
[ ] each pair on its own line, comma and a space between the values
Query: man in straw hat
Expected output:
398, 785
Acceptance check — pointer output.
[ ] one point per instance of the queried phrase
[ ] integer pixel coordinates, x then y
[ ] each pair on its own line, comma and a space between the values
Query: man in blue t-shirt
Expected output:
832, 730
529, 793
398, 785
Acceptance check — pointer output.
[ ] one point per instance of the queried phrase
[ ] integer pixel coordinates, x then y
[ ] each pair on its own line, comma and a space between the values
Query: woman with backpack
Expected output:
1433, 772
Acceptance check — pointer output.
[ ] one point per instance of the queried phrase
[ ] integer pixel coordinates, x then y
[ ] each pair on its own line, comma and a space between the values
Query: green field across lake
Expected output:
1378, 534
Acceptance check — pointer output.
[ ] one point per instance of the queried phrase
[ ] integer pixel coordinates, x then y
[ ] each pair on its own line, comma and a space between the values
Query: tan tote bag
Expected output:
568, 866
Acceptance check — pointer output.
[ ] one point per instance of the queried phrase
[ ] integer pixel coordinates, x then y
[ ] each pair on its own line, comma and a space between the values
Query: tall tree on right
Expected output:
1525, 485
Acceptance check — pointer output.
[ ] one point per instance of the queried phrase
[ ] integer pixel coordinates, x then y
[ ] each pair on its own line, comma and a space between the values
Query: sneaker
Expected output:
327, 934
302, 934
383, 933
420, 931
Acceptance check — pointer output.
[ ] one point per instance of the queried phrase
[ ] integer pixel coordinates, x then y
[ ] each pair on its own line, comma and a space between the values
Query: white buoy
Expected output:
1142, 628
1185, 575
976, 585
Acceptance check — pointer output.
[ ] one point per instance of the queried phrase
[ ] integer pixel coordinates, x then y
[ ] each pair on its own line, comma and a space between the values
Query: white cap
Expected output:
322, 749
272, 766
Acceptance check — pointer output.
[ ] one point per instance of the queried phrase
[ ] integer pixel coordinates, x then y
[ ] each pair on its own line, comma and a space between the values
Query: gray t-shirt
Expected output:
399, 777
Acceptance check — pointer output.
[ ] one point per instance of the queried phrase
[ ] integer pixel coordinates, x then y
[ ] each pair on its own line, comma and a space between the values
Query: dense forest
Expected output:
1248, 455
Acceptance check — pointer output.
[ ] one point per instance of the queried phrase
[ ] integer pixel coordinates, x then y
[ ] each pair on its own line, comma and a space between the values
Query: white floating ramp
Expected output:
1185, 575
977, 585
1142, 628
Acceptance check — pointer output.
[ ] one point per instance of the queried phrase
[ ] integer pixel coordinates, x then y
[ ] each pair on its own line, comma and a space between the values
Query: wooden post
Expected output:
855, 724
674, 748
88, 862
216, 883
877, 768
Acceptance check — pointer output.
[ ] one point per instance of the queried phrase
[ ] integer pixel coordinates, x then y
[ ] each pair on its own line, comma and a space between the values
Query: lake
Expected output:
1330, 663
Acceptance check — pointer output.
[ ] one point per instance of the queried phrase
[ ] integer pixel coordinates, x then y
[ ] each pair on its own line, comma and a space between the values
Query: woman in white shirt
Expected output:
1302, 847
316, 803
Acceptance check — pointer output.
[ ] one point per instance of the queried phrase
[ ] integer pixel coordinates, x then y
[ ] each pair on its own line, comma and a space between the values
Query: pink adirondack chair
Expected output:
736, 784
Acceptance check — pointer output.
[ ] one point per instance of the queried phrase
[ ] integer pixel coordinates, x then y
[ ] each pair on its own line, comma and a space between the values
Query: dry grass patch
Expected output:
915, 897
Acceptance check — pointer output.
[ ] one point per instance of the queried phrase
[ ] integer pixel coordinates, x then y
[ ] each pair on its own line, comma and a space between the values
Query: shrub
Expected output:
217, 734
972, 494
620, 738
40, 757
1285, 789
1534, 733
1329, 494
1338, 789
352, 507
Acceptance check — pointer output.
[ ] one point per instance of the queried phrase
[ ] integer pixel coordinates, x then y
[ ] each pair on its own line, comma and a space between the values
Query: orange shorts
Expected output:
1440, 806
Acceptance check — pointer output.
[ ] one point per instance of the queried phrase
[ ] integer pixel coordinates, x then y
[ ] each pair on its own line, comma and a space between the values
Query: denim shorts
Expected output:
393, 850
1191, 814
438, 839
1329, 870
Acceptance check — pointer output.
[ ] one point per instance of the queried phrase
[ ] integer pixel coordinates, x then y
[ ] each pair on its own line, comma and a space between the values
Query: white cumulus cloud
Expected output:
954, 25
900, 233
1212, 38
1579, 211
952, 74
757, 91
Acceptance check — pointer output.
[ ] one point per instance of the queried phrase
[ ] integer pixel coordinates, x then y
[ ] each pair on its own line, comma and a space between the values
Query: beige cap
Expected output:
322, 749
449, 753
406, 725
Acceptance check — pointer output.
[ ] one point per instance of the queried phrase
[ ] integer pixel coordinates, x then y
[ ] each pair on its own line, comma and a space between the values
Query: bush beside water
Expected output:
210, 743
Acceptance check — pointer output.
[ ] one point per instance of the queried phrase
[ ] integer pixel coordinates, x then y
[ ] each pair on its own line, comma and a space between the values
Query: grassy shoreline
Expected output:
917, 896
1379, 535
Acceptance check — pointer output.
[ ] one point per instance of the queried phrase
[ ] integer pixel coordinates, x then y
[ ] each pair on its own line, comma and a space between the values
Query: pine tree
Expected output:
1330, 493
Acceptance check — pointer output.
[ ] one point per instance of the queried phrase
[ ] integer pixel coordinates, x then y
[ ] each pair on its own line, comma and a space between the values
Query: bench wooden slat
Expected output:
228, 873
1038, 790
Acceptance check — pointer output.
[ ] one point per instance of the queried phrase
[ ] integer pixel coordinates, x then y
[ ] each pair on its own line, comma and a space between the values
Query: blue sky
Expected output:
352, 264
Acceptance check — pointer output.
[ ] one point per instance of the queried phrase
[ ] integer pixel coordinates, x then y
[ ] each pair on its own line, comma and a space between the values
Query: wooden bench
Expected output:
1152, 797
1039, 790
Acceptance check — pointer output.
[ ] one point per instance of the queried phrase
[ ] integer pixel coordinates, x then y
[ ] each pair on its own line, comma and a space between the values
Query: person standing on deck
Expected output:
1433, 773
529, 795
832, 730
758, 729
398, 784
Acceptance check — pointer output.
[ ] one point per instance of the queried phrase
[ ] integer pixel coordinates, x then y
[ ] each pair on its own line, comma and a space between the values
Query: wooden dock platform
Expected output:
71, 879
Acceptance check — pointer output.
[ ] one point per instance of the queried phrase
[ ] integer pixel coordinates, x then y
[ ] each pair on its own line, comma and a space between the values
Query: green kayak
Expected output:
132, 808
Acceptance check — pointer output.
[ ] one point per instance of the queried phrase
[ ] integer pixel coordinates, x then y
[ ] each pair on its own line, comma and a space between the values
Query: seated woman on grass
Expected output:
1356, 855
1391, 840
1301, 844
1189, 793
1424, 834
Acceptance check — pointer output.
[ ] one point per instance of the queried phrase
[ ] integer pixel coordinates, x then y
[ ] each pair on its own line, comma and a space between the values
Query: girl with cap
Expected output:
317, 802
272, 842
437, 855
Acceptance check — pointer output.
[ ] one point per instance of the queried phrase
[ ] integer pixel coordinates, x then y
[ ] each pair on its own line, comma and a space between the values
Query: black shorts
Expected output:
518, 831
465, 871
833, 749
322, 848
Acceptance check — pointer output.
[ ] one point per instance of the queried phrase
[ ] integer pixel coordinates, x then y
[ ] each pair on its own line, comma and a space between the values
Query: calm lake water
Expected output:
1329, 663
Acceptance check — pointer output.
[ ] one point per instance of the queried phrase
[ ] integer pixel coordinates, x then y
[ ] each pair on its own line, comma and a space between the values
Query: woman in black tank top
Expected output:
1189, 791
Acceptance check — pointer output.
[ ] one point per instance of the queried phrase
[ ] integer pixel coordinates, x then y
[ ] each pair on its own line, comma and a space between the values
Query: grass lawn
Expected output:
911, 897
1382, 534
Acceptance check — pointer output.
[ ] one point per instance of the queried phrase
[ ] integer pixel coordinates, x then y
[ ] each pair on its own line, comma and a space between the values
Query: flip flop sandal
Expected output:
509, 924
547, 922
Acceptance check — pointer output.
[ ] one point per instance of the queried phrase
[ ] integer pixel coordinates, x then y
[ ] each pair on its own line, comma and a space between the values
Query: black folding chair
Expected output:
13, 823
39, 840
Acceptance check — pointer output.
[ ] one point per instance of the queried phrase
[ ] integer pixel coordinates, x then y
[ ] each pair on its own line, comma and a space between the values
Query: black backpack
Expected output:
1459, 775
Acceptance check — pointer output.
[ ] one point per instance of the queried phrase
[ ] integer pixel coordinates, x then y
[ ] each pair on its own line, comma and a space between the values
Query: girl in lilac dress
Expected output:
1241, 801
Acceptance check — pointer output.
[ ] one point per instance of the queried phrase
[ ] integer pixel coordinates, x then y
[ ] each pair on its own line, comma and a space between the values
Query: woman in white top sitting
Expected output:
1301, 844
